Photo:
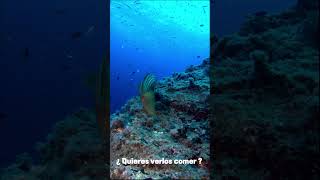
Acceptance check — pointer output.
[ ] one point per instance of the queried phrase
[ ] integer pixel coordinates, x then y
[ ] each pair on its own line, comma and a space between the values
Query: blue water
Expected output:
159, 37
228, 15
37, 91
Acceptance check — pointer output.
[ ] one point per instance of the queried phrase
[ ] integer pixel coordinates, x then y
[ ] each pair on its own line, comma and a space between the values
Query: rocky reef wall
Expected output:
265, 97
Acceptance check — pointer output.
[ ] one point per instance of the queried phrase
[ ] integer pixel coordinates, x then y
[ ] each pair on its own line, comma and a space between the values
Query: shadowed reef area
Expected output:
265, 97
263, 109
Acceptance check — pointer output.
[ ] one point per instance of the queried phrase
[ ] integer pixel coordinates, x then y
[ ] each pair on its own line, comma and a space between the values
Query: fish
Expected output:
76, 35
90, 29
147, 95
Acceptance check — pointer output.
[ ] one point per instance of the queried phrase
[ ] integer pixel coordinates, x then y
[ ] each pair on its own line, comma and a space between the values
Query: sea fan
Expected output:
147, 84
146, 90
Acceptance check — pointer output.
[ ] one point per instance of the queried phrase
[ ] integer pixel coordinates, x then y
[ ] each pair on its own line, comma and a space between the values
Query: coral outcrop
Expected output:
265, 97
179, 131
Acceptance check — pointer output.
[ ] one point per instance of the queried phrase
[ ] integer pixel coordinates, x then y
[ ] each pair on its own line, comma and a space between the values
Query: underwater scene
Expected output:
265, 96
173, 89
154, 37
48, 53
161, 130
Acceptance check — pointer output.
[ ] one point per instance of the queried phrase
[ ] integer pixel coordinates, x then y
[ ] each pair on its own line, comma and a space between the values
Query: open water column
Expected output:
159, 37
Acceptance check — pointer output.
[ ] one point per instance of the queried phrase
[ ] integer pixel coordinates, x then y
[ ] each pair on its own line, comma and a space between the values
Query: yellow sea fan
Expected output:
146, 91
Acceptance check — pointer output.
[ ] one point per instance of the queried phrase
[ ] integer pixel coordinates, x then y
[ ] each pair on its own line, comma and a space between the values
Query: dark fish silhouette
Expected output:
76, 35
198, 56
118, 77
201, 25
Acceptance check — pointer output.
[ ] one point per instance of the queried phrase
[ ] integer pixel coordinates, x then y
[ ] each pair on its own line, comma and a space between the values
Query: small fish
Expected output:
76, 35
118, 77
201, 25
128, 6
146, 91
133, 73
90, 29
198, 56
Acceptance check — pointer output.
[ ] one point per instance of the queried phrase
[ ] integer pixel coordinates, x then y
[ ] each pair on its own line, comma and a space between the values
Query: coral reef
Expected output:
265, 97
180, 130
